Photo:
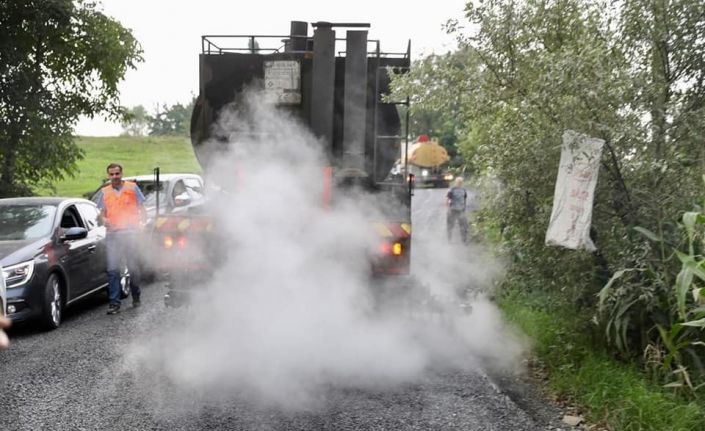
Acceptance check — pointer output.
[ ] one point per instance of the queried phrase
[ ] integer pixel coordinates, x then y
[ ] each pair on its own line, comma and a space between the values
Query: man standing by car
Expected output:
456, 201
121, 203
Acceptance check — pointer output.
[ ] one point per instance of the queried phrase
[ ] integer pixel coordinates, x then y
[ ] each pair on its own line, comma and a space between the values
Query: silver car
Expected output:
178, 193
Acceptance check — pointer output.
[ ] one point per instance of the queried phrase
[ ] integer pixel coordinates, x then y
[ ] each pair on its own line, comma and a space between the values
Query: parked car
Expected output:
52, 253
177, 192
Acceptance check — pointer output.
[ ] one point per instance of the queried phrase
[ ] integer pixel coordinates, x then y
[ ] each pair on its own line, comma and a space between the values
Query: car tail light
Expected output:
168, 242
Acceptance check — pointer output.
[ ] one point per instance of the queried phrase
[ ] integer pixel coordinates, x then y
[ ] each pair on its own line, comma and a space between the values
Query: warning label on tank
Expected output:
282, 81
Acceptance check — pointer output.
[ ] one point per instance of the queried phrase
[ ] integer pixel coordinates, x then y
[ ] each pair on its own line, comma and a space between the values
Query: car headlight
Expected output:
17, 275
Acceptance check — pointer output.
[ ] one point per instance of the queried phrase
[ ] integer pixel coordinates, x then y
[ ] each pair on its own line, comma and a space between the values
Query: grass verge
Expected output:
137, 155
613, 393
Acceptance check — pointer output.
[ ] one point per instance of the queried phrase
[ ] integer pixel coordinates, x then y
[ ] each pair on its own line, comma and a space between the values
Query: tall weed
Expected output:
672, 331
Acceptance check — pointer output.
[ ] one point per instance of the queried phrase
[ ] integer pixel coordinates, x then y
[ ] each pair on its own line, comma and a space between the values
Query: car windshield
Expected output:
20, 222
149, 190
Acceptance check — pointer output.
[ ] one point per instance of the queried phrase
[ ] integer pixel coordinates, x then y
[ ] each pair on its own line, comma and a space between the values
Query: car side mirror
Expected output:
74, 233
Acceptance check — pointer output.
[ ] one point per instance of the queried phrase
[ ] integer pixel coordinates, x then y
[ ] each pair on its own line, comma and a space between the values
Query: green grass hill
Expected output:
137, 155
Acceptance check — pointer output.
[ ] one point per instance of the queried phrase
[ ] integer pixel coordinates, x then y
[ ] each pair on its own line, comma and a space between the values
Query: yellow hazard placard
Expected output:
382, 230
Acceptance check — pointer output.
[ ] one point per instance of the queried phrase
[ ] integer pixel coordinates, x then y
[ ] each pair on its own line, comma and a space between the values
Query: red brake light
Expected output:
170, 242
181, 242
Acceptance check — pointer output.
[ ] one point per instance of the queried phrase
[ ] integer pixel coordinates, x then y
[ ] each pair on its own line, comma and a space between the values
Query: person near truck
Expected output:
122, 206
456, 202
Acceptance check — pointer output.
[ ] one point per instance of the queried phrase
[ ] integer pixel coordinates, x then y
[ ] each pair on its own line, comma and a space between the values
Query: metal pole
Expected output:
157, 184
406, 134
374, 114
406, 148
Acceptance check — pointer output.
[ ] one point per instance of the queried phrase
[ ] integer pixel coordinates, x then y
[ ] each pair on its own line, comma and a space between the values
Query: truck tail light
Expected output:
397, 249
169, 242
393, 249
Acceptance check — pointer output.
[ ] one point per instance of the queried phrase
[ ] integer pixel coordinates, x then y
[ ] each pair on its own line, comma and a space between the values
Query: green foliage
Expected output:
174, 120
674, 330
630, 73
138, 155
59, 60
135, 121
437, 87
612, 393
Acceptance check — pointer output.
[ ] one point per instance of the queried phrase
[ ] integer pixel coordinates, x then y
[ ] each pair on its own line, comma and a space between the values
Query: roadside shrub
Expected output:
672, 331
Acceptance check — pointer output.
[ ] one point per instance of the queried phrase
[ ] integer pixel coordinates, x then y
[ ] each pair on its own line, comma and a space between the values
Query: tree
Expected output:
171, 120
136, 121
438, 89
59, 59
631, 73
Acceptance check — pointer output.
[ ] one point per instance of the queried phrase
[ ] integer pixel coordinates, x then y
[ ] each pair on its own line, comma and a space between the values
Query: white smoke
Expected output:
293, 313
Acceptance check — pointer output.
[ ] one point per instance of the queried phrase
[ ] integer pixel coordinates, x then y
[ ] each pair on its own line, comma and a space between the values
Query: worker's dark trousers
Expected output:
457, 216
122, 249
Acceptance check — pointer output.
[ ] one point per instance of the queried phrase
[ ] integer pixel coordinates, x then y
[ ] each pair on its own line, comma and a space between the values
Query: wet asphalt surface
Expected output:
77, 378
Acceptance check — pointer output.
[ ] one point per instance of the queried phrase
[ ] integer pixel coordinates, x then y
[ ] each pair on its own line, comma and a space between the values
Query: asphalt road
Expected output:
80, 377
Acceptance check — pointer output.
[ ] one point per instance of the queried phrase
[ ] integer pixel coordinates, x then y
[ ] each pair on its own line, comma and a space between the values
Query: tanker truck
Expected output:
335, 83
427, 162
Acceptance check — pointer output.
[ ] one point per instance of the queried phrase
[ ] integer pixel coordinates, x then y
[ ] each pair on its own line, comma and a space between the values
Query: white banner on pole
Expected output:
575, 188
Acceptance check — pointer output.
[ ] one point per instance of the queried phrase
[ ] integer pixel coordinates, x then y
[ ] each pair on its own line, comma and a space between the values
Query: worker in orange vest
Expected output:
122, 205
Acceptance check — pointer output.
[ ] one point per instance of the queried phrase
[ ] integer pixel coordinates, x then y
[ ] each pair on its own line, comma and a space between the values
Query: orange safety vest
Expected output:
121, 210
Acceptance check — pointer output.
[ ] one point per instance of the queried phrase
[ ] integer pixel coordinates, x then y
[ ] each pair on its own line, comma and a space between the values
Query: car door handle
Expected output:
92, 248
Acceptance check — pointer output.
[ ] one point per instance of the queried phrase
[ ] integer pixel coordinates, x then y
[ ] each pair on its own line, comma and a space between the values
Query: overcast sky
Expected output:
170, 34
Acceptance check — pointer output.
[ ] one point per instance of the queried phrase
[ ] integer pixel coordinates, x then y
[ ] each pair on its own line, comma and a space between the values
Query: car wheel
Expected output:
53, 303
124, 284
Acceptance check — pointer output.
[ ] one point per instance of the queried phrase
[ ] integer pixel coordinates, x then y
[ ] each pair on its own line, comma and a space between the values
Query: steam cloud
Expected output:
292, 314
